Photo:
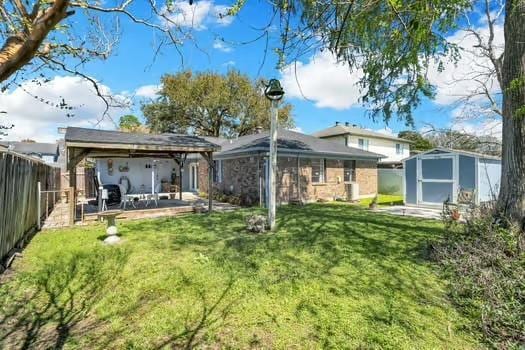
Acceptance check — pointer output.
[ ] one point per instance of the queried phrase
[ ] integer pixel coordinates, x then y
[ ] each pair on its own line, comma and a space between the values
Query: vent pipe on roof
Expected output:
336, 123
347, 124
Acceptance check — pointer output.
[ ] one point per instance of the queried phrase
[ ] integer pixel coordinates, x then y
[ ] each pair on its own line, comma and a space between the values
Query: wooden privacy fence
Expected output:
19, 207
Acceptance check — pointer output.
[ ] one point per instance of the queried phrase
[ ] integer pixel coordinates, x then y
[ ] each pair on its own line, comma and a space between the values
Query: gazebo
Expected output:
94, 143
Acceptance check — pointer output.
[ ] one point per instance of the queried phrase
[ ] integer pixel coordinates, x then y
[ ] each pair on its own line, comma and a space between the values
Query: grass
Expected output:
383, 199
332, 276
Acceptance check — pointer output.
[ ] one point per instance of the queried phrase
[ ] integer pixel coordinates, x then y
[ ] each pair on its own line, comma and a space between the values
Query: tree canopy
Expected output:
212, 104
129, 122
420, 143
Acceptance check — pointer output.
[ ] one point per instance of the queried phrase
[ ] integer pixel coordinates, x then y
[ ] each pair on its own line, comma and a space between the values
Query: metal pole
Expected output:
100, 189
273, 166
153, 177
39, 198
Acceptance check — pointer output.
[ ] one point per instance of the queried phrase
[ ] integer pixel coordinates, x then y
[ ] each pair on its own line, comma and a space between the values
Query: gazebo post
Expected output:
209, 158
74, 156
180, 160
210, 182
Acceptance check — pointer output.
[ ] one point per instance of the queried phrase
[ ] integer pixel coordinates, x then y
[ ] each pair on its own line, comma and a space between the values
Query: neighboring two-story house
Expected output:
393, 148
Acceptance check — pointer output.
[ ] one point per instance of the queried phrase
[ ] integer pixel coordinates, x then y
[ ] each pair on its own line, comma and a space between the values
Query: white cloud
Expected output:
458, 79
220, 15
195, 16
229, 63
485, 127
148, 91
221, 46
39, 121
324, 81
385, 131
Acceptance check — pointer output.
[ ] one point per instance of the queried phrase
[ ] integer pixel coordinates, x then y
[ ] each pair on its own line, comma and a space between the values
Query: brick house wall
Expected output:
242, 177
366, 177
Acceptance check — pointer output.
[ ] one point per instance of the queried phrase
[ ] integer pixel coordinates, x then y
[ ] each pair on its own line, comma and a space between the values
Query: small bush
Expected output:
487, 270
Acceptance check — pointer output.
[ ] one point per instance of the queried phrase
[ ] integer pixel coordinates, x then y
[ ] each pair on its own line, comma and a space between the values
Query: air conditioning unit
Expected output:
354, 191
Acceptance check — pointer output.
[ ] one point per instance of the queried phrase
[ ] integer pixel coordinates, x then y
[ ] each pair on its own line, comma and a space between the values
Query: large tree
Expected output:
394, 43
42, 36
211, 104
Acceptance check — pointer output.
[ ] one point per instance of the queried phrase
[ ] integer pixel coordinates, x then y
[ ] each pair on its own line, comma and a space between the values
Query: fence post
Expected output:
72, 206
39, 199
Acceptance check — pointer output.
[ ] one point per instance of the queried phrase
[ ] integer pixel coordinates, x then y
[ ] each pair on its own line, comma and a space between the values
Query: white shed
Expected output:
440, 174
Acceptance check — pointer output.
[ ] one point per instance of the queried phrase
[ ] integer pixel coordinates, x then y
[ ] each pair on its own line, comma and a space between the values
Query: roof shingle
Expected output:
293, 142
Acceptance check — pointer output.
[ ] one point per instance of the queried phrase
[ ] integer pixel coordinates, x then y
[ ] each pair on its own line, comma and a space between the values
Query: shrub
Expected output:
487, 269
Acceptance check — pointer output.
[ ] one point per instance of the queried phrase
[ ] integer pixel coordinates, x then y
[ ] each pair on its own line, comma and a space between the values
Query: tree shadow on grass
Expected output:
44, 308
352, 251
213, 312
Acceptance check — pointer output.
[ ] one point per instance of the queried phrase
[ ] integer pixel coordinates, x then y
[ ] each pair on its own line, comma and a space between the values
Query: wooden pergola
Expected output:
93, 143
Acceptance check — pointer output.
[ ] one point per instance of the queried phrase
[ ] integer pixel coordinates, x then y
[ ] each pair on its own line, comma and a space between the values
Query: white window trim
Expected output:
366, 144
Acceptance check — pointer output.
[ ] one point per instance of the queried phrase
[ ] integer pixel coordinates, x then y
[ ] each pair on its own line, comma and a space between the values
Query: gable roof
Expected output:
33, 148
442, 150
124, 140
337, 130
291, 142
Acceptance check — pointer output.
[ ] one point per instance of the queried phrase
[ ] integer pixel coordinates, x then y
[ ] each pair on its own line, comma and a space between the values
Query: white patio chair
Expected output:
154, 196
123, 196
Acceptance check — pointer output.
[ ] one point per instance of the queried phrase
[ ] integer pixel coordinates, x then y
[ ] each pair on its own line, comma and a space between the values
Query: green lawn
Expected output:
383, 199
332, 276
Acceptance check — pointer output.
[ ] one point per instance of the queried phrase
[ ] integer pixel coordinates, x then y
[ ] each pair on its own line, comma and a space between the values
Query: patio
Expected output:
96, 144
86, 210
143, 208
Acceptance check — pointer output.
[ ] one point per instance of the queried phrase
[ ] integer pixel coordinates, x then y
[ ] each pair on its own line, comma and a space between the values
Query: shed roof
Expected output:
354, 130
110, 139
457, 151
292, 142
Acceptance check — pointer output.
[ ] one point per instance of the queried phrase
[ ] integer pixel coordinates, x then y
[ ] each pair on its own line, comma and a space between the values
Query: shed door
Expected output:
436, 179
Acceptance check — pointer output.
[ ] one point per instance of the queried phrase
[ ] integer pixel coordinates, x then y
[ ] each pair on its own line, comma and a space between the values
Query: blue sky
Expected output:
132, 71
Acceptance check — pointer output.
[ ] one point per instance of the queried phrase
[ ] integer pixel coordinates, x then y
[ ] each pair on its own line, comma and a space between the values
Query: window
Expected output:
349, 170
217, 172
347, 141
363, 144
399, 148
318, 167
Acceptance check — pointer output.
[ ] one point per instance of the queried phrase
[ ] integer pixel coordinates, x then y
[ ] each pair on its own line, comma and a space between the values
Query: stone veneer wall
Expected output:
241, 178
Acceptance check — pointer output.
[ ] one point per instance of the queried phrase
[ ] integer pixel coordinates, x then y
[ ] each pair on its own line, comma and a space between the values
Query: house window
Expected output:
217, 172
399, 148
318, 170
347, 141
349, 170
363, 144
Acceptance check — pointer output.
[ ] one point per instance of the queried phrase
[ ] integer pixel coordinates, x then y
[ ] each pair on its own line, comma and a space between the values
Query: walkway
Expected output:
426, 213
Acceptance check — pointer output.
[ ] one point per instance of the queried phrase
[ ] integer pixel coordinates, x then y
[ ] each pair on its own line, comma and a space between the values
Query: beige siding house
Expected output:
393, 148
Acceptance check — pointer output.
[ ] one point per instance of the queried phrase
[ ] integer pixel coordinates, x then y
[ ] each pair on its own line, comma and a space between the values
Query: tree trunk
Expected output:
511, 201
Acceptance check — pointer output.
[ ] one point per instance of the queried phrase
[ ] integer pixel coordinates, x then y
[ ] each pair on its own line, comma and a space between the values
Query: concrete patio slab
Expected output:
426, 213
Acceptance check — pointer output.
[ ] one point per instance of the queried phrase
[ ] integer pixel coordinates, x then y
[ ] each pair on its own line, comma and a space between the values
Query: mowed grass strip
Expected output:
331, 276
